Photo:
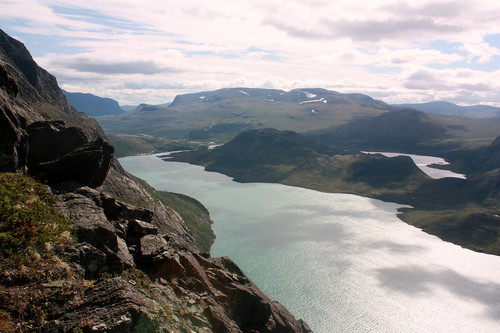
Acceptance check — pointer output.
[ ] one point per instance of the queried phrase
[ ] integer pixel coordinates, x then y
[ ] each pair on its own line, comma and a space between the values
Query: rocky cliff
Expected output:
133, 266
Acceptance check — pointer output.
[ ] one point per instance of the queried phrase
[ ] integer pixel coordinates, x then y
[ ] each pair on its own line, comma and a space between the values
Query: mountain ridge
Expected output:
221, 114
93, 105
449, 109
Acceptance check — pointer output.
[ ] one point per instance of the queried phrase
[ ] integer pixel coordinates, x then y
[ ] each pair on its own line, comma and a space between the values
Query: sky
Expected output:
149, 51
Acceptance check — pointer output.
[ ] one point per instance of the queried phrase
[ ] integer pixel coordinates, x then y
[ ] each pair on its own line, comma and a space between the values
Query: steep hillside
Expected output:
130, 263
93, 105
269, 155
401, 130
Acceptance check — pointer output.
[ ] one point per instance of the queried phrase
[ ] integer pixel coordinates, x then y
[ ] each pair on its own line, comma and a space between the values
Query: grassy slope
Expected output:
32, 236
194, 214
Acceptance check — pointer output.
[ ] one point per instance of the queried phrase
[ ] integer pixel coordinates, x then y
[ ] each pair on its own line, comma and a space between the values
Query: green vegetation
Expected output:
27, 215
472, 226
32, 235
269, 155
194, 214
220, 115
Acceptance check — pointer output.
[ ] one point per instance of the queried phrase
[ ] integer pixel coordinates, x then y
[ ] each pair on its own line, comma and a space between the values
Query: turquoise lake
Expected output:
341, 262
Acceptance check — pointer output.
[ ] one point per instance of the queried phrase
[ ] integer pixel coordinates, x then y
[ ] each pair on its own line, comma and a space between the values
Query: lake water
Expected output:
425, 163
341, 262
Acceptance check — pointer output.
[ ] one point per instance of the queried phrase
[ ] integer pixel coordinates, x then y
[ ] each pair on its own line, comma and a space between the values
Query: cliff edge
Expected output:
131, 264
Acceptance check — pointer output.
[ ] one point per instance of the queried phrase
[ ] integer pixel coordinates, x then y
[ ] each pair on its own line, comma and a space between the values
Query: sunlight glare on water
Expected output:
341, 262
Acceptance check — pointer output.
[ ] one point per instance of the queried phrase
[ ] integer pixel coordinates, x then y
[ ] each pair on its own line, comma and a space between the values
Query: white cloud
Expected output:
158, 49
480, 52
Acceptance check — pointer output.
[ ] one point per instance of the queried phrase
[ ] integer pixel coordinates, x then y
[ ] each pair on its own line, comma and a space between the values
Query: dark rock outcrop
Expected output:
13, 138
13, 141
206, 294
58, 153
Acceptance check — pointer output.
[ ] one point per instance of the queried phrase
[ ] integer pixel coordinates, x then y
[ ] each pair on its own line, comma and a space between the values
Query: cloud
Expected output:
372, 30
415, 57
401, 50
131, 67
447, 9
454, 80
369, 30
426, 80
480, 52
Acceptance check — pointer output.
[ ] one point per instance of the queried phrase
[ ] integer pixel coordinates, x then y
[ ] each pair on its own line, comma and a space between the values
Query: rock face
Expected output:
58, 153
13, 138
202, 293
134, 267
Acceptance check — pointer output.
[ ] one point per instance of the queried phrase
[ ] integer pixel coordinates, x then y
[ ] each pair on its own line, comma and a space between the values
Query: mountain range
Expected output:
450, 109
220, 115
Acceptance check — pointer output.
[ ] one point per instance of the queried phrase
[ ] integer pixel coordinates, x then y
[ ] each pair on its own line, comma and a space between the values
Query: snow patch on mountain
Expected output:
321, 100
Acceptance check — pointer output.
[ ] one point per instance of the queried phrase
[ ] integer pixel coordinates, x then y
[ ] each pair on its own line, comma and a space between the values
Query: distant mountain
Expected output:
222, 114
450, 109
304, 96
347, 120
93, 105
128, 107
401, 130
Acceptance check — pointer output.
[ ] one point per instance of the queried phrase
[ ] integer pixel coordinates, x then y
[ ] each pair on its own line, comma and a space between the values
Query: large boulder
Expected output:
58, 153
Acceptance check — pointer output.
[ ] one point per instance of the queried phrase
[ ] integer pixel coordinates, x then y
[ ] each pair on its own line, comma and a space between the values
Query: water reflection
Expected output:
417, 280
396, 247
341, 262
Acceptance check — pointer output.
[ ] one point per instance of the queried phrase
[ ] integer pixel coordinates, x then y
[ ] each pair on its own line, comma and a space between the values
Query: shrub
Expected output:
27, 215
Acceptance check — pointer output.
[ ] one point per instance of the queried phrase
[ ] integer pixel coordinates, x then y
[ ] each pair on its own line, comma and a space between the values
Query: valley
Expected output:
314, 139
249, 166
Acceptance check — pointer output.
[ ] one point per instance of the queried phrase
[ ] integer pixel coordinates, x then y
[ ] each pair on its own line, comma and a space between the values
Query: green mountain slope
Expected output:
402, 130
222, 114
269, 155
346, 120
